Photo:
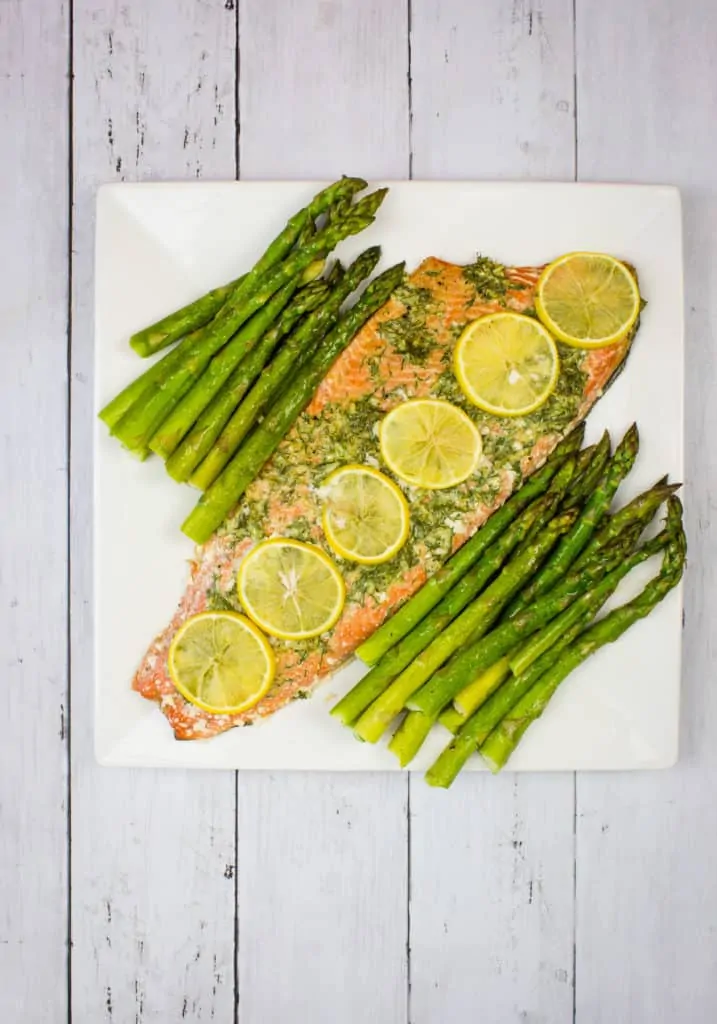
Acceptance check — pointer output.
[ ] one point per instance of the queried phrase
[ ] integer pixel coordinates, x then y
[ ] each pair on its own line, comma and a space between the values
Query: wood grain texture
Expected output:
491, 886
492, 899
323, 88
492, 89
322, 877
152, 853
322, 904
646, 898
322, 859
33, 517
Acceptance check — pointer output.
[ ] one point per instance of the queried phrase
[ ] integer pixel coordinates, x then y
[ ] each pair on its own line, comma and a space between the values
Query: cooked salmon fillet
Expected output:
403, 352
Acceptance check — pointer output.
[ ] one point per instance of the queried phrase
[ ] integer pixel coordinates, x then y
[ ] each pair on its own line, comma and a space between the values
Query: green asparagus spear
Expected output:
505, 737
562, 601
358, 217
210, 383
387, 668
574, 542
179, 369
417, 607
198, 313
200, 439
113, 412
471, 624
300, 230
473, 730
558, 485
338, 210
336, 274
116, 409
539, 644
340, 194
185, 320
476, 692
184, 414
139, 424
452, 719
481, 724
585, 484
585, 457
640, 510
218, 501
296, 349
410, 735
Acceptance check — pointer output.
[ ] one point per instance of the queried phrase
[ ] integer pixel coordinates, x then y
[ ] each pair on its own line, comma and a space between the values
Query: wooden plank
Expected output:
492, 89
34, 210
152, 853
322, 858
323, 88
491, 886
646, 899
322, 898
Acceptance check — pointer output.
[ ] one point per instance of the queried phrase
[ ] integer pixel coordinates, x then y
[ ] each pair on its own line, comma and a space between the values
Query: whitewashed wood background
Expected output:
138, 896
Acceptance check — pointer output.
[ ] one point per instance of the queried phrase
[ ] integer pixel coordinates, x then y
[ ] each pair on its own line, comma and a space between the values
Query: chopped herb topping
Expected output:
408, 333
488, 277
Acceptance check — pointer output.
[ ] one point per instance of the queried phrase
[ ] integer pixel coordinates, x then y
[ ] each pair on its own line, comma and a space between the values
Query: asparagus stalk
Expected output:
452, 719
544, 640
198, 313
471, 732
576, 540
481, 724
116, 409
338, 195
336, 274
435, 589
640, 511
501, 743
410, 735
584, 458
338, 210
261, 329
471, 624
586, 482
184, 414
475, 693
560, 484
113, 412
567, 599
201, 438
299, 230
292, 356
185, 320
217, 502
373, 685
139, 424
146, 383
357, 218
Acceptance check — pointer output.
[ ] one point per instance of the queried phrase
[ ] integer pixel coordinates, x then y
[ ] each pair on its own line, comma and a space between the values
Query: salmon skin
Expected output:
403, 352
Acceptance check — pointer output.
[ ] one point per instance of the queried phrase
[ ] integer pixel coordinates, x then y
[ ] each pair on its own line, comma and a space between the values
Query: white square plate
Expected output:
159, 246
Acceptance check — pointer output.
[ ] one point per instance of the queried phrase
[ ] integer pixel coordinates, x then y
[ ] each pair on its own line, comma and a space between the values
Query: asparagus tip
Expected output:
359, 183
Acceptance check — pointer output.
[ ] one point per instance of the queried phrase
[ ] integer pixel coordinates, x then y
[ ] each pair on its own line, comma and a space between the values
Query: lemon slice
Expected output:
430, 443
291, 590
366, 517
221, 662
587, 299
506, 364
